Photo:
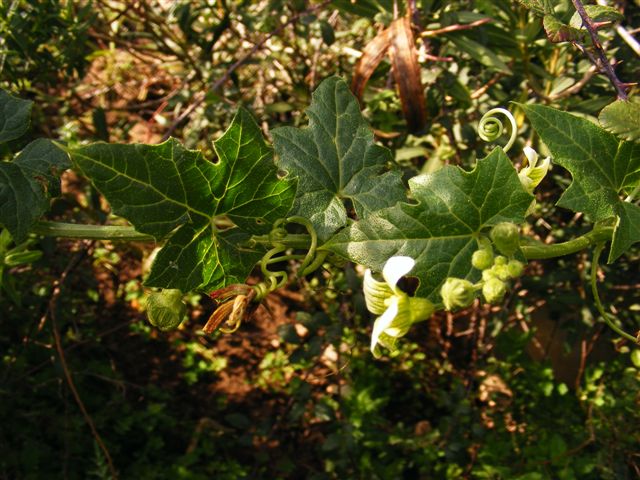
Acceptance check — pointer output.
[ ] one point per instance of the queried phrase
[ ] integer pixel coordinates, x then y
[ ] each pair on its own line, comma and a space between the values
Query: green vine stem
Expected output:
542, 251
91, 232
490, 127
594, 289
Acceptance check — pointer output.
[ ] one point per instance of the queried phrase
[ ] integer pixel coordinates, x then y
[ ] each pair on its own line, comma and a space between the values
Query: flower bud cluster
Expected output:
494, 279
496, 270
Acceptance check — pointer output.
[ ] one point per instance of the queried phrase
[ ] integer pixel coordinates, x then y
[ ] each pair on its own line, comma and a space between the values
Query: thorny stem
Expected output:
596, 298
602, 57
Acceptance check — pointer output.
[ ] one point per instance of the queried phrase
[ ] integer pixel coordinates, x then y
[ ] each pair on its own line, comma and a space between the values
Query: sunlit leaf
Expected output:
622, 118
604, 170
167, 190
440, 231
336, 159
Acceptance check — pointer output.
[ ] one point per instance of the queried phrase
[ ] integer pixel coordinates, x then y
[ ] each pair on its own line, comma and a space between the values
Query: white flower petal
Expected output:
531, 154
383, 322
396, 268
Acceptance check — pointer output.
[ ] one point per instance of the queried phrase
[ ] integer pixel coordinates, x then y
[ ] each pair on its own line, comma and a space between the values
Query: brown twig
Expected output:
602, 62
199, 98
51, 313
455, 28
481, 91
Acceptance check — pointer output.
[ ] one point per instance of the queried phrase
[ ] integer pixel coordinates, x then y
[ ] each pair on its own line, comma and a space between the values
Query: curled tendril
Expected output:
311, 261
275, 279
240, 300
490, 127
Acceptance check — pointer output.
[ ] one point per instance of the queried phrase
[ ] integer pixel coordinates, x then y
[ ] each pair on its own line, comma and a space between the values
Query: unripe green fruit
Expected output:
515, 268
482, 259
494, 290
457, 293
165, 309
506, 238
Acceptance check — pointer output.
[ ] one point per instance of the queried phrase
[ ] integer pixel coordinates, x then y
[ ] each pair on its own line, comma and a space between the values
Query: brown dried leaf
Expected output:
406, 70
371, 57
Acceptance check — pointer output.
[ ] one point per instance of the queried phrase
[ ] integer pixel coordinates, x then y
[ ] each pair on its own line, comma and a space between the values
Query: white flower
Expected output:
531, 175
397, 311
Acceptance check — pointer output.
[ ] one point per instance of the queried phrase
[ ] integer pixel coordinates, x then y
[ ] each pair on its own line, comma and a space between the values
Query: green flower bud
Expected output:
482, 259
494, 290
506, 238
165, 309
515, 268
488, 274
501, 272
501, 260
457, 293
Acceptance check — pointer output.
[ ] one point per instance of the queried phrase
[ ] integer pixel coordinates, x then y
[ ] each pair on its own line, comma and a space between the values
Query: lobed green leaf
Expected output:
336, 159
440, 232
602, 166
166, 190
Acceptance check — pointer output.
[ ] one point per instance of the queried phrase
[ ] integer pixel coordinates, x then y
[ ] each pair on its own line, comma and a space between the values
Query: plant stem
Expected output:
594, 289
542, 251
602, 56
91, 232
129, 234
292, 240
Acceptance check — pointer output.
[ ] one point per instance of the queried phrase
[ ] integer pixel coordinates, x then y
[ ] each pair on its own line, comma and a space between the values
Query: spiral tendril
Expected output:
491, 128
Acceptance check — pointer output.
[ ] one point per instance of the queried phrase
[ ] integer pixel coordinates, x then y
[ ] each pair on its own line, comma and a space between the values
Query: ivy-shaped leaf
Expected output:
15, 116
335, 159
168, 190
622, 117
440, 232
27, 184
603, 168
